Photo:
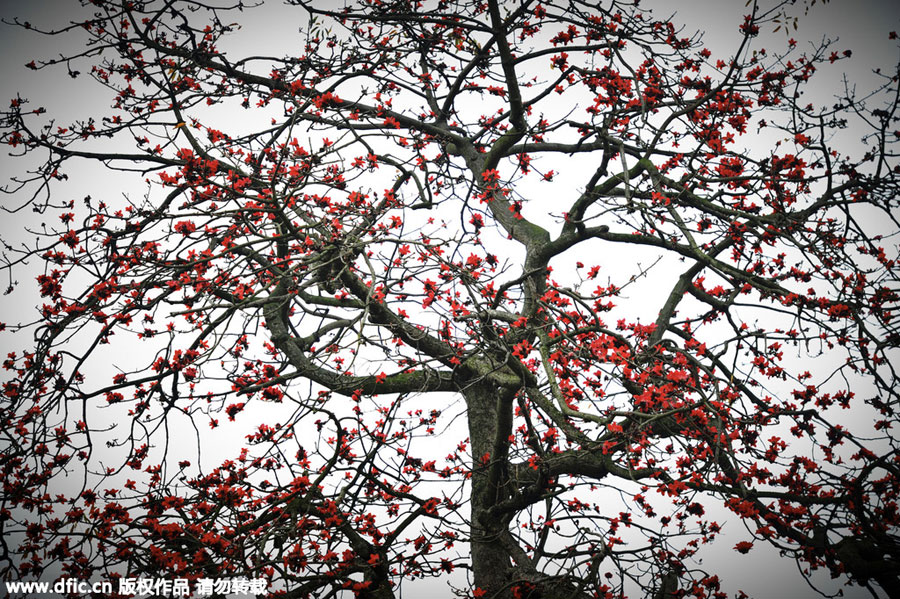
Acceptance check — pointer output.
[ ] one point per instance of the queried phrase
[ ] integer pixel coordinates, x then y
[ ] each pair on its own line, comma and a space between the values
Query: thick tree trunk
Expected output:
491, 563
494, 553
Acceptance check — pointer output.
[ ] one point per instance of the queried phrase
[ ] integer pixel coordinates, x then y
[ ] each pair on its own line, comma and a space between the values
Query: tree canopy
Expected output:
533, 296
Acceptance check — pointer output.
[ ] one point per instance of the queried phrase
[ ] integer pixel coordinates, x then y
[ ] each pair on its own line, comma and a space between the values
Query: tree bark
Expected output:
491, 562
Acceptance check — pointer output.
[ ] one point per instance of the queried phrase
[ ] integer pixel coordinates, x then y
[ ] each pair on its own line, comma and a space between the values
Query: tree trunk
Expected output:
491, 563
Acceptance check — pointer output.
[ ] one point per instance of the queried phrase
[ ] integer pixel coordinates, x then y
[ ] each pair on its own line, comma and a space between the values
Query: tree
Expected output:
449, 356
